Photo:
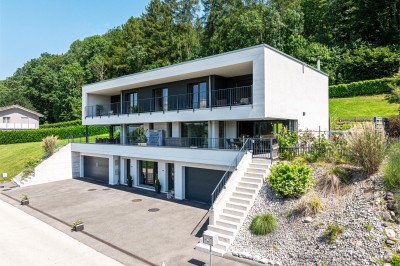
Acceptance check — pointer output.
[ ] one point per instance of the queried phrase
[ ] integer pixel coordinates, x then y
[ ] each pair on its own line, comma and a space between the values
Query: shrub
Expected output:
24, 197
310, 204
36, 135
74, 224
391, 169
329, 183
394, 127
29, 168
366, 146
333, 231
62, 124
336, 150
342, 173
49, 144
360, 88
395, 260
287, 139
263, 224
290, 179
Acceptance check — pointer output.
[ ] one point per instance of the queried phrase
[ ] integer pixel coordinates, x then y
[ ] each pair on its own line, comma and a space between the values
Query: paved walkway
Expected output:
25, 240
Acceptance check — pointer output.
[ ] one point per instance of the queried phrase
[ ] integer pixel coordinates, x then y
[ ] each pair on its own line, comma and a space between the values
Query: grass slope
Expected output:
13, 157
374, 105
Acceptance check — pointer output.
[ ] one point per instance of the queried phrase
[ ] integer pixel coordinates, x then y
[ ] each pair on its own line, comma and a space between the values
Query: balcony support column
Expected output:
123, 135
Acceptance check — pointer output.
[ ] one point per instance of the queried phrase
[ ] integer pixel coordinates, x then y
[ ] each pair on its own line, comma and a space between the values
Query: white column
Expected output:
122, 175
123, 134
113, 164
179, 181
134, 172
176, 129
81, 167
162, 176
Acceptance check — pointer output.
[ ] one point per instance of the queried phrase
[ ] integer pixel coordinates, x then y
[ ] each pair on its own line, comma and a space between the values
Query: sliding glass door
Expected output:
199, 95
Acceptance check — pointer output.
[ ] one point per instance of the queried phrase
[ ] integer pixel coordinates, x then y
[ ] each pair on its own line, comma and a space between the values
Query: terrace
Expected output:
200, 99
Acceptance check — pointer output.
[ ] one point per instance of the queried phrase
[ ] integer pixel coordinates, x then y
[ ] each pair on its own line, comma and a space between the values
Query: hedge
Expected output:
36, 135
62, 124
360, 88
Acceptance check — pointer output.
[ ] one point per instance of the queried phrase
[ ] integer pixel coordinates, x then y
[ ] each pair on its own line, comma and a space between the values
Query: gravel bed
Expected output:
297, 242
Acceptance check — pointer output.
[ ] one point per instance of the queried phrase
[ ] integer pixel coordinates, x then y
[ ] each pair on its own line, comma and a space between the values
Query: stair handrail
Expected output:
232, 167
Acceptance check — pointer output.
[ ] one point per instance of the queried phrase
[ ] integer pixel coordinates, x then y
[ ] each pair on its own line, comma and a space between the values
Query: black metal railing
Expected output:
232, 167
219, 98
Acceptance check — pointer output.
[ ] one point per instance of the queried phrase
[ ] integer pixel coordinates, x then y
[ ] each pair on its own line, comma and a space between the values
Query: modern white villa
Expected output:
198, 117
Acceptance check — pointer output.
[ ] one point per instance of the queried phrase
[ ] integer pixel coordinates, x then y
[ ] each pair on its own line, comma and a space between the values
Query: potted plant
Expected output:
129, 178
24, 200
157, 185
77, 225
141, 136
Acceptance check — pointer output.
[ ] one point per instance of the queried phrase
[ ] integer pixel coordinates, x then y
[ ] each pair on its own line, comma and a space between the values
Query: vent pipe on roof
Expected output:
318, 63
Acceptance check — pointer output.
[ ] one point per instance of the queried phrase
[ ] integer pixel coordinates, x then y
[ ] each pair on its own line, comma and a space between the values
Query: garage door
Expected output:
200, 183
96, 168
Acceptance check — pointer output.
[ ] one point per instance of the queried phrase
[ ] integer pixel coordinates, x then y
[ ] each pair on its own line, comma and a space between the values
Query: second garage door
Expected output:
96, 168
200, 183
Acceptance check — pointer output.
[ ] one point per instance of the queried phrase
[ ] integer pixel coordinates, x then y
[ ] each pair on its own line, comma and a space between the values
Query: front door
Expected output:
148, 172
171, 176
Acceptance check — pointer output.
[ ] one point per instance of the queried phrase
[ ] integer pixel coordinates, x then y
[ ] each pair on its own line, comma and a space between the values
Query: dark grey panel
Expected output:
96, 168
200, 183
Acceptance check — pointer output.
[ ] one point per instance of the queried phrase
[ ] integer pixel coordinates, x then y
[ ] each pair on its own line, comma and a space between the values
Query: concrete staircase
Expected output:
54, 168
228, 222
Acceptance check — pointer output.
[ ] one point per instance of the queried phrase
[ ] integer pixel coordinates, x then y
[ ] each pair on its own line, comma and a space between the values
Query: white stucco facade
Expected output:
282, 90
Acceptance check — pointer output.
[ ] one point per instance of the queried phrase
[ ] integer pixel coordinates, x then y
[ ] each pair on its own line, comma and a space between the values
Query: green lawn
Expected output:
374, 105
13, 157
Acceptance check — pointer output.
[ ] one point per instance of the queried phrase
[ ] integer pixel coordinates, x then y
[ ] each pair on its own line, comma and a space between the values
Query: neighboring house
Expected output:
197, 114
18, 117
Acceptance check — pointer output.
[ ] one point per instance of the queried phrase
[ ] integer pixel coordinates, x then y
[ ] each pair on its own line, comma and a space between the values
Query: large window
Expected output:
199, 95
132, 100
160, 99
147, 172
195, 130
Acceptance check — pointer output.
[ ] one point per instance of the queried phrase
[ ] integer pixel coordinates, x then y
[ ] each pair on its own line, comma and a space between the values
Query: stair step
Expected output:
245, 202
254, 175
242, 195
233, 212
206, 248
221, 230
246, 190
261, 161
256, 170
252, 180
236, 206
249, 185
221, 238
226, 224
230, 218
259, 165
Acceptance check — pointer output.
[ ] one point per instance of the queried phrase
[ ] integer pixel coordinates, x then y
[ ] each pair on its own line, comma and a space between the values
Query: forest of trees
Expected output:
355, 39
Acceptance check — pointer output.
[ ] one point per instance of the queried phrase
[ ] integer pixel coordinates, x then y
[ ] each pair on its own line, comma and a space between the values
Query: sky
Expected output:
29, 28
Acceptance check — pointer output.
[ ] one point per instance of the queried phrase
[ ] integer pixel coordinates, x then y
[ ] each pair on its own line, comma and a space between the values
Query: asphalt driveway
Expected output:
132, 226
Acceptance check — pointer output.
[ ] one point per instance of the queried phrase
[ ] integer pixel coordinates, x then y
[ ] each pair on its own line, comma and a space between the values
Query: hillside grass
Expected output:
374, 105
13, 157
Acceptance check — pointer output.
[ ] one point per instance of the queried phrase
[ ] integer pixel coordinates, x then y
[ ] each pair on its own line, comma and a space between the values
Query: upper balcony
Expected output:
200, 99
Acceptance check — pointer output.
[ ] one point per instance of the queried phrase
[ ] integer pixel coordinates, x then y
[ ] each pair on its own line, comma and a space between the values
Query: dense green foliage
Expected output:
290, 179
263, 224
62, 124
360, 88
35, 135
355, 39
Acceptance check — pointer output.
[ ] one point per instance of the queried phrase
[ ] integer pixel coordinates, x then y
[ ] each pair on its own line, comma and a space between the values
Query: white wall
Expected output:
293, 88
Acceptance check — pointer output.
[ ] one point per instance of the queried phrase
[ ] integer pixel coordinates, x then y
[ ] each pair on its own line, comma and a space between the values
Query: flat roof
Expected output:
206, 58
